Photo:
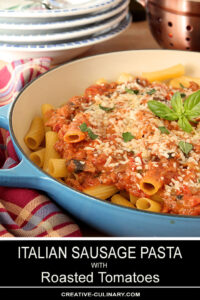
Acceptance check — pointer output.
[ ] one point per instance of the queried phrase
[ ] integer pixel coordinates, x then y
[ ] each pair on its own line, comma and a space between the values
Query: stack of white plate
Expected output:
61, 29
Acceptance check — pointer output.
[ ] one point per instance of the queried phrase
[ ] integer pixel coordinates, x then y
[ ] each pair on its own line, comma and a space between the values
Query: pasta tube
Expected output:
125, 77
74, 136
133, 198
51, 139
172, 72
119, 200
184, 81
151, 183
125, 194
45, 108
148, 204
101, 81
157, 197
38, 157
35, 135
101, 191
57, 167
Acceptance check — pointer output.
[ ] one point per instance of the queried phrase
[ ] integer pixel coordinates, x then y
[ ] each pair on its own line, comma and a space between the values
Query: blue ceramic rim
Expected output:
58, 10
118, 18
92, 17
104, 202
71, 45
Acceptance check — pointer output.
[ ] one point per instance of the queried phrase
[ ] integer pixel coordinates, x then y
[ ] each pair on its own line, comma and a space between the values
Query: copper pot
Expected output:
175, 24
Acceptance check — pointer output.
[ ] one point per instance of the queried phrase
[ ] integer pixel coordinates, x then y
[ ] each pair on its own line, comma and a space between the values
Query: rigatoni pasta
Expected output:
101, 191
35, 134
38, 157
148, 204
133, 142
57, 167
46, 112
74, 136
171, 72
151, 182
51, 138
118, 199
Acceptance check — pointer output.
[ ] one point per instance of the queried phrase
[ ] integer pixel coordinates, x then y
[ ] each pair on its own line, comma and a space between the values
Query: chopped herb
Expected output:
91, 134
163, 129
129, 91
198, 180
183, 95
181, 85
83, 127
127, 136
185, 147
151, 92
107, 109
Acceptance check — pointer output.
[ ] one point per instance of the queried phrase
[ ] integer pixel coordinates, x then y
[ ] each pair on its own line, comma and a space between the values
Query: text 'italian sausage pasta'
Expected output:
133, 142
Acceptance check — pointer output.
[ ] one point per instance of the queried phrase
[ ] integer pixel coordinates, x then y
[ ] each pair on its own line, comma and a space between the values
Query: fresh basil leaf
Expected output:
151, 92
163, 129
184, 124
161, 110
182, 111
83, 127
129, 91
194, 112
127, 136
192, 101
107, 109
91, 134
185, 147
177, 103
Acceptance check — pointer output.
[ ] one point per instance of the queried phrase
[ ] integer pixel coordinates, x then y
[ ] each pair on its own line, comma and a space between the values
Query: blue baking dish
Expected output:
56, 87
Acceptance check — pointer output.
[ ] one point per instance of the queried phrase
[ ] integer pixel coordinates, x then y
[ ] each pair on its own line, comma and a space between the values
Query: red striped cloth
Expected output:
26, 212
15, 75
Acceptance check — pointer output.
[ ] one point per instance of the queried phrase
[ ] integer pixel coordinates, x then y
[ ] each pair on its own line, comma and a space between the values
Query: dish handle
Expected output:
4, 116
24, 175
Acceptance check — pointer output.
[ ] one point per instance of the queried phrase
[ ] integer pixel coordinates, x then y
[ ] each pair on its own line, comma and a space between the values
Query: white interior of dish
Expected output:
58, 85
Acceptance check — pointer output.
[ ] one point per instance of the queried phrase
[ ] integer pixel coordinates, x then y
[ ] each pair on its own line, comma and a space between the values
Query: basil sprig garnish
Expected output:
84, 128
182, 111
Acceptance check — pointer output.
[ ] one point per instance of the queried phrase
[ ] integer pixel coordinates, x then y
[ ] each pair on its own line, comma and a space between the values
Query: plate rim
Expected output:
67, 35
66, 23
124, 24
103, 4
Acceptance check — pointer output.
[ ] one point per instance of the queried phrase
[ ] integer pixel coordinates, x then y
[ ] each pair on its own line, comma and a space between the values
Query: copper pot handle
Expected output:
142, 2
